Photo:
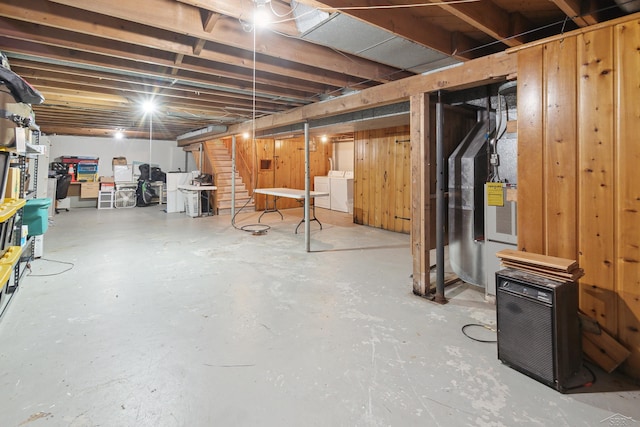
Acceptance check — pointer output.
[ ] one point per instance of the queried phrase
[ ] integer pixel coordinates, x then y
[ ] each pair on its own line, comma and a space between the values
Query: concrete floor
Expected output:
166, 320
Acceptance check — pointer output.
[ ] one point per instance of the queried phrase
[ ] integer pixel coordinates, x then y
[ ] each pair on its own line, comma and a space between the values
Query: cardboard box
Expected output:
89, 190
12, 190
119, 161
106, 179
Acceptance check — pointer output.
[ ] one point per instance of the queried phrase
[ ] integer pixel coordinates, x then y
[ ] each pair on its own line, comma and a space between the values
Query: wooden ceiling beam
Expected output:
161, 68
278, 84
573, 9
36, 71
243, 10
209, 20
91, 91
51, 15
487, 17
179, 17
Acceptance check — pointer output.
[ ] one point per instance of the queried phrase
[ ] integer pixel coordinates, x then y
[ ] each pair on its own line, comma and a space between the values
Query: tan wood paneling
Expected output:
593, 184
380, 182
595, 176
628, 190
287, 165
560, 147
531, 227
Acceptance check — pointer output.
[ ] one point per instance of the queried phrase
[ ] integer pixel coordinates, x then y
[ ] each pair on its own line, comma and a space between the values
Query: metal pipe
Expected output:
307, 190
233, 176
440, 202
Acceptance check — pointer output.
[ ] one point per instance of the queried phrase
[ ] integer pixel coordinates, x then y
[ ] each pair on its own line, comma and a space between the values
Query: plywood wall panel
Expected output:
531, 203
627, 208
596, 139
560, 148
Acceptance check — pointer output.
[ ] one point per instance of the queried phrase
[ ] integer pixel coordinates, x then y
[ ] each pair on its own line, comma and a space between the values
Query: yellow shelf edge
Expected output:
5, 275
11, 256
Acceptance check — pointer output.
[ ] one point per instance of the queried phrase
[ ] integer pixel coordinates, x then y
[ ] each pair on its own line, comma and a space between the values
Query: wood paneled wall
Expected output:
382, 179
382, 184
280, 163
579, 167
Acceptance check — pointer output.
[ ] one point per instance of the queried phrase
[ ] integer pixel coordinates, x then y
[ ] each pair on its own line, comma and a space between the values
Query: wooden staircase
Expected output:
218, 155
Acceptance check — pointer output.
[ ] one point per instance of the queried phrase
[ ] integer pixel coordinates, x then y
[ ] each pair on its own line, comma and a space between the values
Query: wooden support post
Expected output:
420, 197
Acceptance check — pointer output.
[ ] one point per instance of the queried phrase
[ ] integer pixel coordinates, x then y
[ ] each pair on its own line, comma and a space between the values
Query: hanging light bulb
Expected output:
261, 17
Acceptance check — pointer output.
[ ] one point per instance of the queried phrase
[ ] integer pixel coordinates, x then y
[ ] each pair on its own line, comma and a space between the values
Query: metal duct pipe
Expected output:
440, 203
200, 134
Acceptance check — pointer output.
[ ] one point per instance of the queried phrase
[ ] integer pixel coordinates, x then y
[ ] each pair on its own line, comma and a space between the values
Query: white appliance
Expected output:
175, 198
341, 191
339, 185
322, 183
500, 233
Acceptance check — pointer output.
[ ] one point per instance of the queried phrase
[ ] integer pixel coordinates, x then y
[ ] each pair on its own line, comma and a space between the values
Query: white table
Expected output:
199, 189
289, 193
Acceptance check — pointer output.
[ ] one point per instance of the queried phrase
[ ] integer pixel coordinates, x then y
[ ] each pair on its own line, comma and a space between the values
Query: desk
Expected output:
290, 193
193, 207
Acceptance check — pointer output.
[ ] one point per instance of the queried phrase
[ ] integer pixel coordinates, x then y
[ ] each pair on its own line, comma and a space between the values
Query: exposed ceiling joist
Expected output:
96, 61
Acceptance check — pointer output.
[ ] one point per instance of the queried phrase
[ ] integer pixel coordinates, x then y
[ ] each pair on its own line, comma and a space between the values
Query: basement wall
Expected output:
164, 153
579, 167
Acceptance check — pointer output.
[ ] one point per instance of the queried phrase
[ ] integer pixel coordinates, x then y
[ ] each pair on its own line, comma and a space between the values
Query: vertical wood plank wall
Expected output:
596, 172
627, 199
382, 184
382, 178
286, 168
531, 225
579, 168
287, 165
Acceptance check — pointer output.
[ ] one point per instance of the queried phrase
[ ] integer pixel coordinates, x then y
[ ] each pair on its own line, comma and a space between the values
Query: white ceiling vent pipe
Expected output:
201, 134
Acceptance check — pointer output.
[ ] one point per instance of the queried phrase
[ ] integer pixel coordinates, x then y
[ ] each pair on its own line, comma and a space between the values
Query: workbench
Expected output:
290, 193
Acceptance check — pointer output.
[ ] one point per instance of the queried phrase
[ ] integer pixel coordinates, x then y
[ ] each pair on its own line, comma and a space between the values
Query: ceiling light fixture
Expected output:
261, 18
119, 134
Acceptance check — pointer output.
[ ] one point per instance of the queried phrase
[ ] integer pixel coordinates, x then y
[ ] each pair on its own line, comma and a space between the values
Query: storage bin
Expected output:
36, 216
191, 203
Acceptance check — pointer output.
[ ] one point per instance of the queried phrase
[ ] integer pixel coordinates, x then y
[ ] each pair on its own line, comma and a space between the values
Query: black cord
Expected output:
52, 274
477, 325
257, 228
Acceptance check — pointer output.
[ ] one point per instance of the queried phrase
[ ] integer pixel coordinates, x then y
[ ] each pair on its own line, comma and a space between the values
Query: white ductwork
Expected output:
350, 35
200, 134
629, 6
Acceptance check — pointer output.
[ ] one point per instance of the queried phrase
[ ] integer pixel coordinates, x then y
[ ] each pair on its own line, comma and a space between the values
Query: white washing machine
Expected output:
341, 189
322, 183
